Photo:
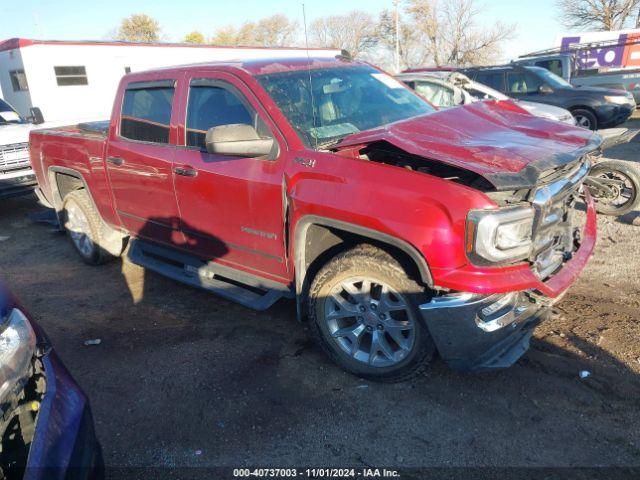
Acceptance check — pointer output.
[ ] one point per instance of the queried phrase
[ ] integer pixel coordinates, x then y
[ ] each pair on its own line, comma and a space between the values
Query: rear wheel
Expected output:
622, 182
364, 312
585, 118
82, 223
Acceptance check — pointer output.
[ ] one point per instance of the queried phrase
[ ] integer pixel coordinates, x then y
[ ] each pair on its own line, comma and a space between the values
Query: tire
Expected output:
83, 225
585, 118
628, 198
374, 324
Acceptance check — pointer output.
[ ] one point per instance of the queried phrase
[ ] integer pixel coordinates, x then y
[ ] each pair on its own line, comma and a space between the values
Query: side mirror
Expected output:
238, 139
545, 89
35, 116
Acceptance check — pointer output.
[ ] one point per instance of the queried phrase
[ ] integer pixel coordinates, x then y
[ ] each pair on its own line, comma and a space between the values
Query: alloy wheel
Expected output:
370, 321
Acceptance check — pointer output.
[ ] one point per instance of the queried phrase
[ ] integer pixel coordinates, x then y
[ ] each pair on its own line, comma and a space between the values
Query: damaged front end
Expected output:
523, 252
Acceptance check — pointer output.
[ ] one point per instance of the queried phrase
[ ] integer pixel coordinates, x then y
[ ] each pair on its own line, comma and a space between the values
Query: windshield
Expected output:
8, 114
344, 101
553, 80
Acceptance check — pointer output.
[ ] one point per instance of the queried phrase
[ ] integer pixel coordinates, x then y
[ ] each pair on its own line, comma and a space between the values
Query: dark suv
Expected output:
592, 107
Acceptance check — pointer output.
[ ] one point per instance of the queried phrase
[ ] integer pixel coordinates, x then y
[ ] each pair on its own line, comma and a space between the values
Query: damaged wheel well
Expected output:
319, 239
66, 183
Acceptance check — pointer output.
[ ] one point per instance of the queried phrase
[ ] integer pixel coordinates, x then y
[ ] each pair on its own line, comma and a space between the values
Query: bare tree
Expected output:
412, 45
139, 28
273, 31
354, 32
452, 35
599, 14
194, 37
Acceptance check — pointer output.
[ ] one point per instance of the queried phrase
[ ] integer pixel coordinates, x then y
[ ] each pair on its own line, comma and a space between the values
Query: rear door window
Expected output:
146, 113
494, 80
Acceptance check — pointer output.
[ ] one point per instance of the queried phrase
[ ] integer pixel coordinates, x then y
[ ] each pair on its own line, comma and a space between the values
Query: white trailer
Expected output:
75, 81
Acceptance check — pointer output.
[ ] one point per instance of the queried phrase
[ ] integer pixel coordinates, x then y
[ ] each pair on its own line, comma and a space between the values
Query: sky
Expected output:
536, 22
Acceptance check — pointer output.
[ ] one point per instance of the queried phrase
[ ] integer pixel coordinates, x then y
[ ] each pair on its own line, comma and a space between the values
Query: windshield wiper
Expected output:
327, 144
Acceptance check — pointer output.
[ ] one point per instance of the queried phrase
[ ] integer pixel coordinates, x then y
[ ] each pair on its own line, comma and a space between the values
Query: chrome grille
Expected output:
14, 156
554, 230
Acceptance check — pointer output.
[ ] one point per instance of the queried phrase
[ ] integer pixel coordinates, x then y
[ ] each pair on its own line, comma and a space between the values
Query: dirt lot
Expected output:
183, 378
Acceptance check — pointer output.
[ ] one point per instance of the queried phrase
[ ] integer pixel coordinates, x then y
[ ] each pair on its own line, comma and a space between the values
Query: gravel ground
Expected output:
183, 378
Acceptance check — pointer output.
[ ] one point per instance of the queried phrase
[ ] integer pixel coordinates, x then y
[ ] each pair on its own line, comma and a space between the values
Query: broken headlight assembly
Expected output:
499, 236
17, 349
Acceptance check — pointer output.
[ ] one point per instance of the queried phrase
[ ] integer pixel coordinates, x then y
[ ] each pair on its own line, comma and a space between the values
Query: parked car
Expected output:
450, 89
398, 229
592, 107
46, 427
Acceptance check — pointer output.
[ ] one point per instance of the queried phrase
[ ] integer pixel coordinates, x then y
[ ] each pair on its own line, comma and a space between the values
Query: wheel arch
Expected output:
317, 239
65, 180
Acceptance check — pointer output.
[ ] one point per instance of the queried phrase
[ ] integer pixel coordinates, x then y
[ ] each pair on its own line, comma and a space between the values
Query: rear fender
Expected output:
112, 239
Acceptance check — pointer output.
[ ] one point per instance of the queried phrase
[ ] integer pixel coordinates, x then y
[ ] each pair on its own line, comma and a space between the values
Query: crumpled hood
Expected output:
495, 139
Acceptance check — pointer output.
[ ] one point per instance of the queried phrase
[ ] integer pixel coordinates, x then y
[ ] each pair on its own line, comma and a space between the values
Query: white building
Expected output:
74, 81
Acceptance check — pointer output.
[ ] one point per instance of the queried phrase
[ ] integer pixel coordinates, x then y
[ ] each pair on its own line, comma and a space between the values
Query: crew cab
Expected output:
400, 230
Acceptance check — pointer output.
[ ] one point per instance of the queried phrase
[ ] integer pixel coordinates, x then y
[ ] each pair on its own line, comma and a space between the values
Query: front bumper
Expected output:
469, 343
454, 321
64, 444
613, 115
16, 183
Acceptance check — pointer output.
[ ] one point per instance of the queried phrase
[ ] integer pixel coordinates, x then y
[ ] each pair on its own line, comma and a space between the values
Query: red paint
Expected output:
484, 137
232, 211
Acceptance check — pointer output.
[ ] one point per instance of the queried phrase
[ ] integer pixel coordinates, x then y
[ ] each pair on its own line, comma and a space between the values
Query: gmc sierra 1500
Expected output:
399, 229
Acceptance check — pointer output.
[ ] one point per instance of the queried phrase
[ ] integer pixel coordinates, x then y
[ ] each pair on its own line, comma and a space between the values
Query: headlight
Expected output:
498, 236
17, 348
618, 99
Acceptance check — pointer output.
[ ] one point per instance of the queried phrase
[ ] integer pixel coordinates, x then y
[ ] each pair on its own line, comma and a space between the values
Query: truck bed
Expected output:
79, 148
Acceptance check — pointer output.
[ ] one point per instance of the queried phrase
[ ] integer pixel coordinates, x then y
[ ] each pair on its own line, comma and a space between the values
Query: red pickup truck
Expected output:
400, 230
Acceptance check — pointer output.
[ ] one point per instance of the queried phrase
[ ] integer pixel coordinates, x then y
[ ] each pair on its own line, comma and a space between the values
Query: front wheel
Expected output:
364, 313
621, 184
585, 118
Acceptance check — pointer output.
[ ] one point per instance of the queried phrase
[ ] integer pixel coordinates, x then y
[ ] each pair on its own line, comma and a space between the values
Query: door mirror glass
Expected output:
238, 139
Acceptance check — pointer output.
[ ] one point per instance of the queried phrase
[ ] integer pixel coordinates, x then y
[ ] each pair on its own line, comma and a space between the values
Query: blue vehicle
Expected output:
46, 426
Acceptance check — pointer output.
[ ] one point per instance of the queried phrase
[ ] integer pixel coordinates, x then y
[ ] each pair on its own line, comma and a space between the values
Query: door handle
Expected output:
117, 161
186, 171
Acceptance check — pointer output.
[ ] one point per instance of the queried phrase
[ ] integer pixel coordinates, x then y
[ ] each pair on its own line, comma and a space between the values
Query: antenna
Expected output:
306, 41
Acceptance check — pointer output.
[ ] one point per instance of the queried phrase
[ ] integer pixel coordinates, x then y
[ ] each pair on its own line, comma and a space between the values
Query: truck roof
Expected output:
260, 66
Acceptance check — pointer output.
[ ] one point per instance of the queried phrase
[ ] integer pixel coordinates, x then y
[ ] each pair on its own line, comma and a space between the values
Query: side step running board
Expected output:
237, 286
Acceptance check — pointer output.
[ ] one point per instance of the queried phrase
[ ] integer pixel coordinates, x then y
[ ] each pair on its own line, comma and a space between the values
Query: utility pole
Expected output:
395, 3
